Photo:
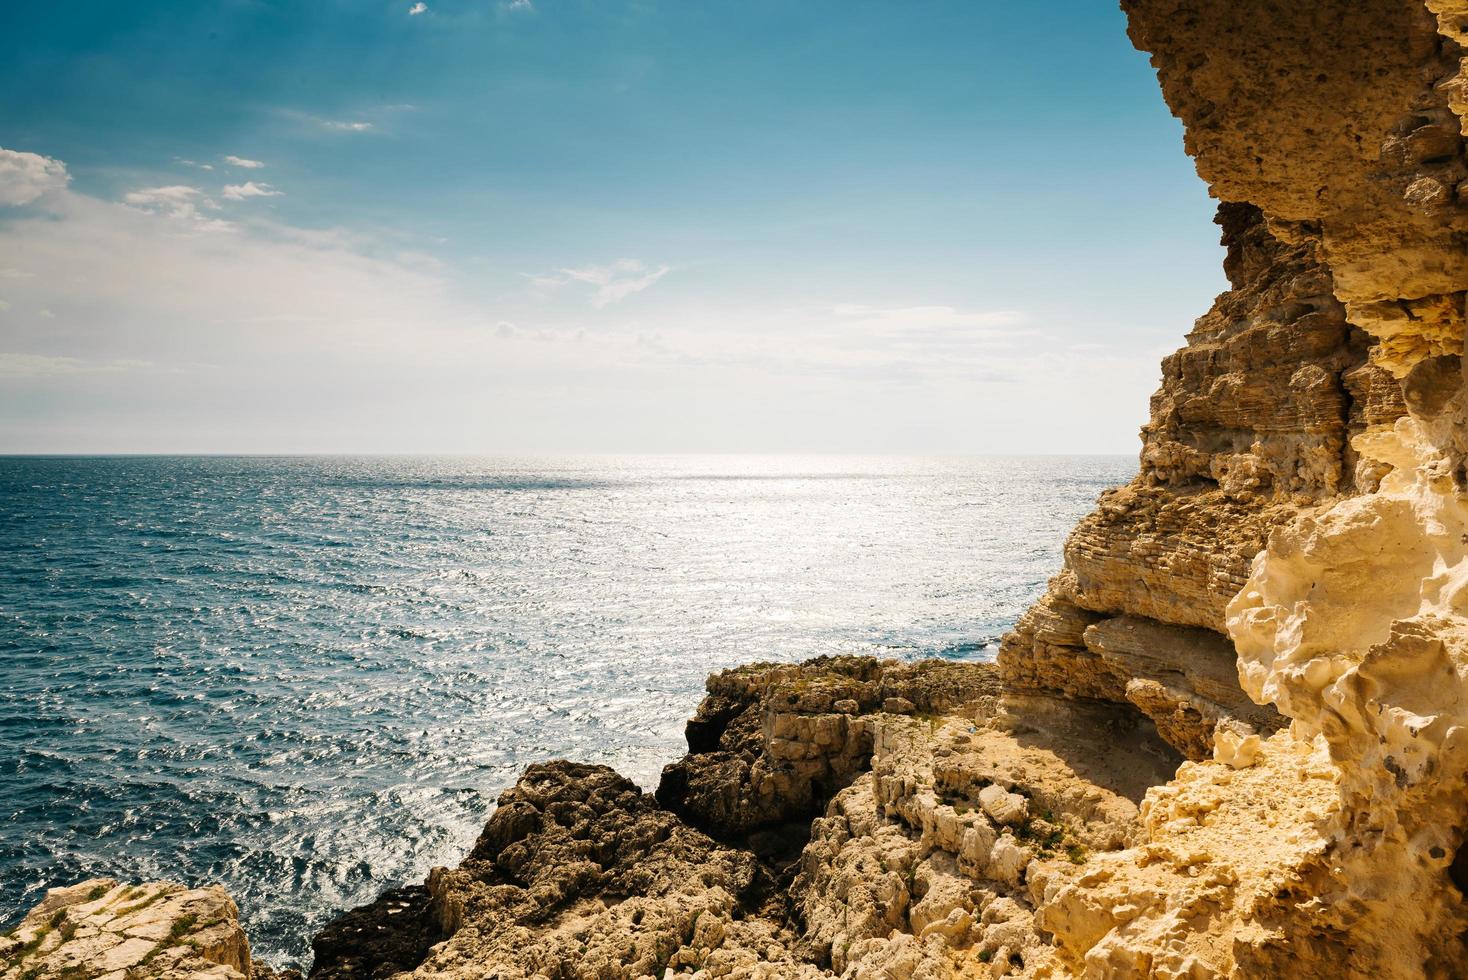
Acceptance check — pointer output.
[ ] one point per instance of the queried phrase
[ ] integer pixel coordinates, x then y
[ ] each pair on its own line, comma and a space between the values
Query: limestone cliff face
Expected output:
1329, 848
1230, 741
1254, 424
843, 817
1342, 121
157, 931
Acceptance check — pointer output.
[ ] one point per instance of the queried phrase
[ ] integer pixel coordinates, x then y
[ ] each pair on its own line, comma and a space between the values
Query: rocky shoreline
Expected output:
1230, 741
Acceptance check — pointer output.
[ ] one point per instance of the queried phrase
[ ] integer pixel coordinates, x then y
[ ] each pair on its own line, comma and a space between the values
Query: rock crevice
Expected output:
1231, 740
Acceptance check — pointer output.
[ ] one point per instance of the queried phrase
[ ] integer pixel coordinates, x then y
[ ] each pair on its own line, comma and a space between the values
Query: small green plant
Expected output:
97, 892
156, 897
1077, 854
985, 956
181, 925
57, 919
35, 942
145, 960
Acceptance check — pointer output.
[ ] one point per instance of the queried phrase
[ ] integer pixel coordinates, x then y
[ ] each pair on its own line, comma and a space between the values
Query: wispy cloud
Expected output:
247, 164
930, 316
15, 366
178, 201
361, 119
27, 177
517, 5
612, 283
194, 163
239, 192
418, 8
175, 199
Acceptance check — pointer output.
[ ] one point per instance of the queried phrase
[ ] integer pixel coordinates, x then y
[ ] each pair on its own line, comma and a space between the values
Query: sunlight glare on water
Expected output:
308, 678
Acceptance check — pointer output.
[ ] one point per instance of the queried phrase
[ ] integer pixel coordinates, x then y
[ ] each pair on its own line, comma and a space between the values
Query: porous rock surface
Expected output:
1331, 848
103, 928
911, 805
1232, 738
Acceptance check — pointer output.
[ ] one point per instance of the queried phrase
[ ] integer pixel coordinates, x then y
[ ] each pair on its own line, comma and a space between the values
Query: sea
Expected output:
308, 678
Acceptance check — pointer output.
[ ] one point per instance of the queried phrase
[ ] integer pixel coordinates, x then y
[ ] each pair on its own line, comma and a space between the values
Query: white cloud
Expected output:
194, 163
179, 202
613, 283
346, 127
517, 5
243, 162
27, 177
239, 192
930, 316
418, 8
14, 365
129, 285
167, 198
274, 338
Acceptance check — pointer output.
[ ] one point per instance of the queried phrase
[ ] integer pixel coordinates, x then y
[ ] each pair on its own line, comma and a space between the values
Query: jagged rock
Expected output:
1328, 849
390, 935
1302, 503
580, 874
105, 930
1002, 806
771, 743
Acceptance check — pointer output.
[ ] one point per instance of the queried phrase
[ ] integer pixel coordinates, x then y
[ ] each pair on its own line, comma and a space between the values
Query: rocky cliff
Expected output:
1229, 741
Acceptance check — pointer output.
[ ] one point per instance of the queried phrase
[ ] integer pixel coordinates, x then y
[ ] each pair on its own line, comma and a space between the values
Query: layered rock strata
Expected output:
910, 807
104, 928
1340, 125
1232, 738
1253, 425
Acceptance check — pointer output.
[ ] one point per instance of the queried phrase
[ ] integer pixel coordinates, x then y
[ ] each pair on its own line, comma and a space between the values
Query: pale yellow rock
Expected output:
1002, 806
1234, 748
105, 929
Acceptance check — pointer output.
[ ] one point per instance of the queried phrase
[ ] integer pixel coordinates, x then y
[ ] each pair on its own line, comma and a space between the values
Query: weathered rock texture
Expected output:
1302, 490
1280, 598
1253, 425
102, 928
937, 801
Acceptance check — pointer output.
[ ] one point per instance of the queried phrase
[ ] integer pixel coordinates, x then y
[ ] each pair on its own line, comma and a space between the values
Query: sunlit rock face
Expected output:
1329, 848
1342, 121
1254, 424
1278, 598
104, 928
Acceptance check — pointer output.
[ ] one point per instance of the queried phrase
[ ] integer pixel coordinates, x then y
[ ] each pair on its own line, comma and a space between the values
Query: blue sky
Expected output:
587, 225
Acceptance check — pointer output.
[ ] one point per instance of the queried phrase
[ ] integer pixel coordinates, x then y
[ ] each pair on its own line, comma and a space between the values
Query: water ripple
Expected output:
308, 679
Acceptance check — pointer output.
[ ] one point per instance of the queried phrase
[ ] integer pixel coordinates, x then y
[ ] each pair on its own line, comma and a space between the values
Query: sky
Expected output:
564, 226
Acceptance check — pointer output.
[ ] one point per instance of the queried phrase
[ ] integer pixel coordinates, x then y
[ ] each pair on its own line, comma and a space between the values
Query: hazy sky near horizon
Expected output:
588, 226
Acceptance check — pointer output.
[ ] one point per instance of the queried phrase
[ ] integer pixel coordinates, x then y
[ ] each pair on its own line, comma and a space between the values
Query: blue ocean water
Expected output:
308, 678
